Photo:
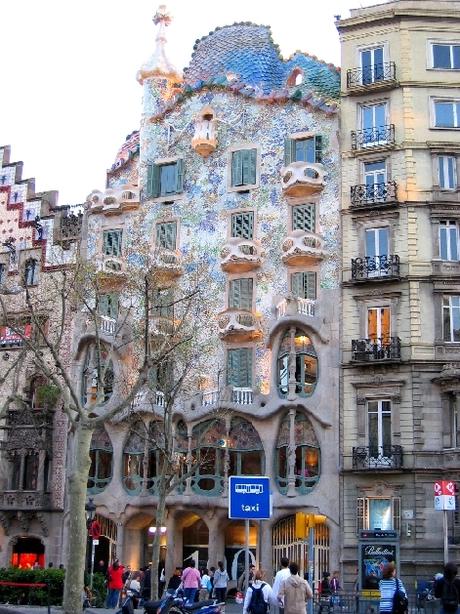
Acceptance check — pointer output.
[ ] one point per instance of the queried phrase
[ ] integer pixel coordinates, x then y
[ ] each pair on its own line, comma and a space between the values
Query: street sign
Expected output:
249, 498
444, 495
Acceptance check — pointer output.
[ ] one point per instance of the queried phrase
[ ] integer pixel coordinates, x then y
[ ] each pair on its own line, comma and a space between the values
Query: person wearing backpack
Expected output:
447, 589
258, 595
294, 592
393, 596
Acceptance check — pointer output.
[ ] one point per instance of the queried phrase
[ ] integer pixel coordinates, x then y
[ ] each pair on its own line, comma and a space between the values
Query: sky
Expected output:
69, 95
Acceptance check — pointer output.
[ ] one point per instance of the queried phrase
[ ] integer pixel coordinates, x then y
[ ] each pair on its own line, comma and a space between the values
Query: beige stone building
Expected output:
400, 121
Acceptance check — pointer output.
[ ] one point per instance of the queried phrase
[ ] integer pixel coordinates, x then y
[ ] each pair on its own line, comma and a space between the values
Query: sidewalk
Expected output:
230, 608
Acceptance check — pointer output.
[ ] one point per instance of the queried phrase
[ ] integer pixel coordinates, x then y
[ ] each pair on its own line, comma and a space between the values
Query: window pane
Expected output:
371, 248
441, 56
446, 323
380, 514
305, 150
373, 433
456, 56
303, 217
444, 114
243, 225
455, 318
453, 240
250, 463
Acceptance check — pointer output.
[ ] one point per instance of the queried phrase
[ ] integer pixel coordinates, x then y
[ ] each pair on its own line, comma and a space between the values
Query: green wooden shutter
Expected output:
240, 294
166, 235
167, 179
104, 304
297, 284
243, 225
153, 180
105, 246
310, 285
252, 176
318, 148
246, 166
237, 168
239, 367
179, 176
289, 151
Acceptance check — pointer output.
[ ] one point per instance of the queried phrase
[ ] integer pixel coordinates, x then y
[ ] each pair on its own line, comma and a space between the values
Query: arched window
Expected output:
142, 458
208, 446
297, 346
31, 272
101, 454
298, 465
246, 452
89, 375
295, 78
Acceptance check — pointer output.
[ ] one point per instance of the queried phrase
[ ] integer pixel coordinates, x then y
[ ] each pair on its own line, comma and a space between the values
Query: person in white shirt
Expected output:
205, 585
282, 575
258, 583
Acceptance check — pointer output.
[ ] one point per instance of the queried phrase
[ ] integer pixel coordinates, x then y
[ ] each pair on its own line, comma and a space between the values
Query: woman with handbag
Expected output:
389, 586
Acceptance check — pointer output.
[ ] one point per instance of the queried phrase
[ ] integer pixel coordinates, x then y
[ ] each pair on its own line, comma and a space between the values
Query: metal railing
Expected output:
380, 457
357, 603
376, 73
373, 350
373, 193
375, 267
373, 137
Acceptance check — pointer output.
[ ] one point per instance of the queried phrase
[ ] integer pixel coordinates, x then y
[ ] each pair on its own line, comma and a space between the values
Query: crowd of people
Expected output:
289, 593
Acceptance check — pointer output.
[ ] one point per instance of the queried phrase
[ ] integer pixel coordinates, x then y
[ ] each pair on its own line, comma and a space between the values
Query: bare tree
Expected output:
150, 322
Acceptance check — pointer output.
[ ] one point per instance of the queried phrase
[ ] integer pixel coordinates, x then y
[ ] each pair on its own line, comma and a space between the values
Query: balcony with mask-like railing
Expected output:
294, 305
381, 76
239, 325
377, 458
372, 195
239, 255
375, 350
111, 268
301, 179
168, 262
377, 137
302, 247
375, 268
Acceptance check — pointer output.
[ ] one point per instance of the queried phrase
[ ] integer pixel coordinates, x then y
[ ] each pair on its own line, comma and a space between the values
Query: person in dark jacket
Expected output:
146, 584
174, 581
450, 576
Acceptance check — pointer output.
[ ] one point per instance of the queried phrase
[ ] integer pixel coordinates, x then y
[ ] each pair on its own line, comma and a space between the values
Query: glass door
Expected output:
372, 65
379, 428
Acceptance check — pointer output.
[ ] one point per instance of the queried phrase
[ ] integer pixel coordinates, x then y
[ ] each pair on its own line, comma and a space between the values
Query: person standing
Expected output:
220, 582
174, 581
191, 581
282, 575
447, 588
114, 583
205, 585
258, 595
388, 585
294, 592
146, 583
335, 589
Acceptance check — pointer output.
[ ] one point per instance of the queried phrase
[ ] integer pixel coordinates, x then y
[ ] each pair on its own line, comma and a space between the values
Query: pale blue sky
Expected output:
69, 92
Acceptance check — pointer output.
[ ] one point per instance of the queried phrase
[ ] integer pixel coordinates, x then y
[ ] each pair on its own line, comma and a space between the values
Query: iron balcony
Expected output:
378, 458
366, 195
374, 75
375, 267
376, 350
378, 136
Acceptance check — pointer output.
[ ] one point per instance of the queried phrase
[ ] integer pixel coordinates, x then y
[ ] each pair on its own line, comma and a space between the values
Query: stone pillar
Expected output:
291, 455
216, 540
266, 559
188, 482
292, 364
171, 539
41, 471
120, 540
134, 549
21, 470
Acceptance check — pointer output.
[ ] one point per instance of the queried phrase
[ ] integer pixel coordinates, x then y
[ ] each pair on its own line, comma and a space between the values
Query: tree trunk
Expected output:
78, 535
159, 519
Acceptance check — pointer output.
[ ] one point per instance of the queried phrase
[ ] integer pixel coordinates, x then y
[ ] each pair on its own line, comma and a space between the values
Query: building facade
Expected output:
400, 280
235, 166
38, 241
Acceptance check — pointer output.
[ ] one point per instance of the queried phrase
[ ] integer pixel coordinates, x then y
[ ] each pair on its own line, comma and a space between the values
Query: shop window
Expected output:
374, 513
165, 179
296, 345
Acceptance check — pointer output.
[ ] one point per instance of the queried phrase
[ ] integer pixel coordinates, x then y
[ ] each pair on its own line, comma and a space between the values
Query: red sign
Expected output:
444, 487
9, 336
95, 529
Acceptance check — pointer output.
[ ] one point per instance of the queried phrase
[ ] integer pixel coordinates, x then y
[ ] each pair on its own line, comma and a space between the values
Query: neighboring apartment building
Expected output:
37, 240
238, 168
401, 282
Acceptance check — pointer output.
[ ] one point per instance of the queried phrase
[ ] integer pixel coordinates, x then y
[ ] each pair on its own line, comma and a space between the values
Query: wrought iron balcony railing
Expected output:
375, 267
377, 136
379, 457
371, 75
375, 350
373, 194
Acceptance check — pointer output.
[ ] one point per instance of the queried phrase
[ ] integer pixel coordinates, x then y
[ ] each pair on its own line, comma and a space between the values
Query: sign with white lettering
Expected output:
373, 559
249, 497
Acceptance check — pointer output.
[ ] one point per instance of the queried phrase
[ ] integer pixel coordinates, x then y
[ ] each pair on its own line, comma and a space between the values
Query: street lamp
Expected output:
90, 509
